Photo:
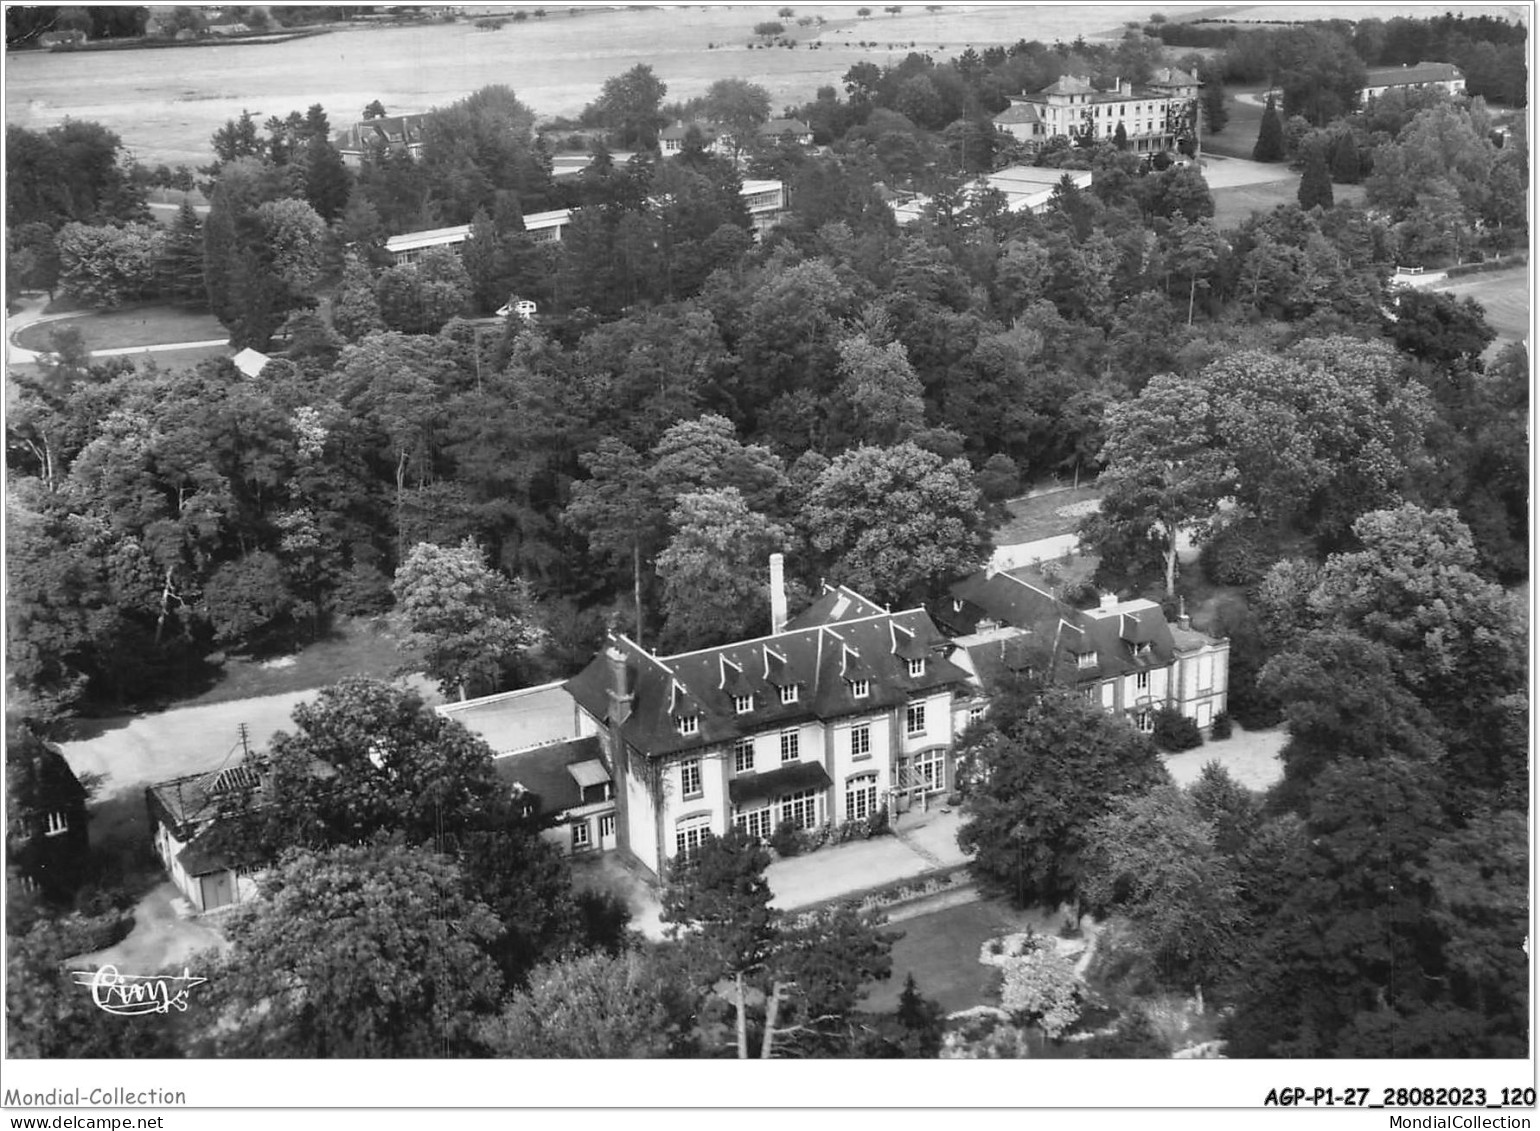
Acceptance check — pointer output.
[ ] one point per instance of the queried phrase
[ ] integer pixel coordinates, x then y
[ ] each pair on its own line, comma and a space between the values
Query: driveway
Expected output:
161, 939
133, 752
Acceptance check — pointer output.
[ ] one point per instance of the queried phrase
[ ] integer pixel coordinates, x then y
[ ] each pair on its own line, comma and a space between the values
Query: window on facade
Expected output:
861, 741
689, 778
689, 833
756, 823
1142, 648
860, 797
976, 714
57, 823
743, 756
1088, 694
1145, 721
1142, 682
800, 808
1085, 659
917, 668
743, 704
790, 746
580, 835
860, 688
688, 724
1205, 672
789, 693
930, 768
914, 719
606, 826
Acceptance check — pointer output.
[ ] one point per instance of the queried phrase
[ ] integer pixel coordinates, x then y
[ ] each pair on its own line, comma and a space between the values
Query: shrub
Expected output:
877, 823
1222, 727
786, 840
1174, 731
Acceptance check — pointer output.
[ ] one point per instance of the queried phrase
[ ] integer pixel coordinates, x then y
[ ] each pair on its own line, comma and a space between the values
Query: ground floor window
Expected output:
860, 797
1145, 721
689, 833
755, 823
580, 835
800, 808
930, 769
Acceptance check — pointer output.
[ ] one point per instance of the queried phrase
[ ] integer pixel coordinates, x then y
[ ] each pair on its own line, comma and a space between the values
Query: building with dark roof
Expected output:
843, 710
547, 750
1156, 116
1124, 655
1445, 76
401, 132
46, 838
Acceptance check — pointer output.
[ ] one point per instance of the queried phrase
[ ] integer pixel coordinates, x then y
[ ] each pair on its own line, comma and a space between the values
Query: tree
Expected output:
897, 522
105, 266
811, 968
718, 902
1440, 328
1216, 109
1036, 775
1269, 145
293, 984
628, 104
1163, 474
1153, 858
418, 298
884, 398
618, 509
465, 619
593, 1005
1315, 184
368, 757
739, 107
714, 569
184, 257
328, 184
355, 310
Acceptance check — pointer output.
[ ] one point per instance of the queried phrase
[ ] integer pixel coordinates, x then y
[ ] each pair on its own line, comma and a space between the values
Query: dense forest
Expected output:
1352, 458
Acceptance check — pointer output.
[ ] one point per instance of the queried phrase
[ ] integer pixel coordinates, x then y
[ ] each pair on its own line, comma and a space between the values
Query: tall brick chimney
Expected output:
777, 593
620, 693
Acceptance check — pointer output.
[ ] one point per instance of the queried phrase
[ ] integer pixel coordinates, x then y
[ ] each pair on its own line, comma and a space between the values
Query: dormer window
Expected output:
860, 688
1085, 659
789, 693
1142, 648
57, 823
743, 704
688, 724
917, 668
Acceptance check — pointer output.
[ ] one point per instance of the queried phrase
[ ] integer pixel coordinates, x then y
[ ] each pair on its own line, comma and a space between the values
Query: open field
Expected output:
1505, 297
120, 329
165, 105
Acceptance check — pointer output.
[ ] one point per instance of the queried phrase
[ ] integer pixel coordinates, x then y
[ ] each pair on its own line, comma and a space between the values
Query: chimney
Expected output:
1108, 601
777, 594
620, 694
1183, 621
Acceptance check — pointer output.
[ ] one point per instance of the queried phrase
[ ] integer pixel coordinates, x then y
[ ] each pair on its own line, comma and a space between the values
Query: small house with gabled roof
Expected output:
183, 815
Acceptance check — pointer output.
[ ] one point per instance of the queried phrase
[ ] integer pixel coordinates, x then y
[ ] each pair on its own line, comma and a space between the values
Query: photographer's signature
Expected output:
129, 995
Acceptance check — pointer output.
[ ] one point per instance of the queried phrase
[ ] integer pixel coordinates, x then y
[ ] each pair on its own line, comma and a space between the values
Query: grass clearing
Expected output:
125, 328
1504, 295
366, 647
1044, 516
941, 950
1232, 206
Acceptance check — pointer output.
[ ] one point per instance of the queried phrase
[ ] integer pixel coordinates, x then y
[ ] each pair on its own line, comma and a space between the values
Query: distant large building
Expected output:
403, 133
1025, 188
1156, 116
1444, 76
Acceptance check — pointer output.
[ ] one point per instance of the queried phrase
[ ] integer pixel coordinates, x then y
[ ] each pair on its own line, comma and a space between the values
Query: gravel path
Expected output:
1251, 757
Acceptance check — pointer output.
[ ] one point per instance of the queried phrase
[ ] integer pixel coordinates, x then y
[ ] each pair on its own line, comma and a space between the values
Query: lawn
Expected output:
941, 950
1045, 516
365, 647
1234, 205
1504, 295
135, 326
